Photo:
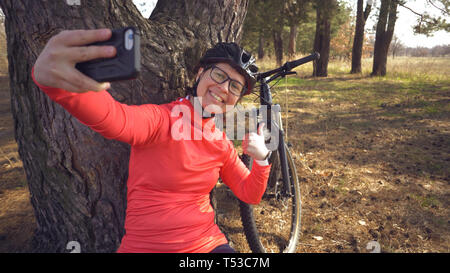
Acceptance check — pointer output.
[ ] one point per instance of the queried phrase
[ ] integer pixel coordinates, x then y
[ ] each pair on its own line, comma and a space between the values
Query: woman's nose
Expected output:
224, 86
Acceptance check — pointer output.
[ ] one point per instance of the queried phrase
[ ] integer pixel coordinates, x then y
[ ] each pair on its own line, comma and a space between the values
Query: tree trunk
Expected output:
277, 22
322, 37
383, 36
77, 179
278, 46
358, 41
260, 46
292, 41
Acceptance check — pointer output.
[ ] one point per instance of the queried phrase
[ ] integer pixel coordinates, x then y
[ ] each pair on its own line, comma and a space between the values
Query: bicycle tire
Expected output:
263, 242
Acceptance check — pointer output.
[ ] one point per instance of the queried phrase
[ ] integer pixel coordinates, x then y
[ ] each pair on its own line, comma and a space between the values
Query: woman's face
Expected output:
216, 97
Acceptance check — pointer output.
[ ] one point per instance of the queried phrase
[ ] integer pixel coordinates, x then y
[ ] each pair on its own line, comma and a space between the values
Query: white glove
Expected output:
253, 144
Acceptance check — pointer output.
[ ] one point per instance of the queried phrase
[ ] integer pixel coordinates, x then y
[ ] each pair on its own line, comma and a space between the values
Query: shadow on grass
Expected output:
413, 117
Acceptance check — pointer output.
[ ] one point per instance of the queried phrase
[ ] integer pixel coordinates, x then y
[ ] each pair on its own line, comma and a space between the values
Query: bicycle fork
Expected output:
284, 165
274, 122
283, 159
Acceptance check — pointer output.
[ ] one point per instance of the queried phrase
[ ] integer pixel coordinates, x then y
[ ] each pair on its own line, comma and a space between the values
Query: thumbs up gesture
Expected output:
254, 145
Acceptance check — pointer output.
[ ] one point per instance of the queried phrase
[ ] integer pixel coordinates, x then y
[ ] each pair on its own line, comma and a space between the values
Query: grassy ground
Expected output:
372, 155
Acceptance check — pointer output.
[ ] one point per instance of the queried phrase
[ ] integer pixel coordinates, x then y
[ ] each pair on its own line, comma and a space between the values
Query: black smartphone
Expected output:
124, 66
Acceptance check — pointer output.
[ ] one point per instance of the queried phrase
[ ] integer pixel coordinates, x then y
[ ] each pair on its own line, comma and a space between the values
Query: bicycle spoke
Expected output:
277, 207
276, 219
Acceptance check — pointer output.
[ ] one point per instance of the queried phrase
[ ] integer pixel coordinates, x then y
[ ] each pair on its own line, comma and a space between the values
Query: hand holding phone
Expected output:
124, 65
56, 64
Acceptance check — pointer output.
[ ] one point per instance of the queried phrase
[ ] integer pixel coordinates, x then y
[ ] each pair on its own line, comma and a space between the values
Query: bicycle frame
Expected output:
289, 191
266, 100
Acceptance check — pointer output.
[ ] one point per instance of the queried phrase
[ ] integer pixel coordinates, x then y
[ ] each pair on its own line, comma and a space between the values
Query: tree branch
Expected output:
418, 14
434, 5
427, 24
367, 10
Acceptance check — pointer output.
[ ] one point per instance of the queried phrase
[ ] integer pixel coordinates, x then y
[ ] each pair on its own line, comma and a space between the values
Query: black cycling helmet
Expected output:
235, 56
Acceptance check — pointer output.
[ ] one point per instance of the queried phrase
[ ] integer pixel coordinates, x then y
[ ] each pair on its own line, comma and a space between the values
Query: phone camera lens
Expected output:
129, 39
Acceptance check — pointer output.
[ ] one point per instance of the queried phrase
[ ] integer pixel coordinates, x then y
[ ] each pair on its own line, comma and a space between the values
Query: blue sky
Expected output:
403, 27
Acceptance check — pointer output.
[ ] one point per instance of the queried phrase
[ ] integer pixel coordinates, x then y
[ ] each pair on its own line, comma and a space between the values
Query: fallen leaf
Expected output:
318, 238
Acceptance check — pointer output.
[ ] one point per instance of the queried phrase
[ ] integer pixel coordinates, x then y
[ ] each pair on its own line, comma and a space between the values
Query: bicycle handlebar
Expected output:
289, 65
293, 64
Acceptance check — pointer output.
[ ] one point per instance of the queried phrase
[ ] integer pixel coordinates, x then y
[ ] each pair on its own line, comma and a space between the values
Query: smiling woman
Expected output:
220, 89
231, 75
77, 178
170, 178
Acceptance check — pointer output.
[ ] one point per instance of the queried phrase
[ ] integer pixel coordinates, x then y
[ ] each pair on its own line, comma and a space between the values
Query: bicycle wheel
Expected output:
274, 224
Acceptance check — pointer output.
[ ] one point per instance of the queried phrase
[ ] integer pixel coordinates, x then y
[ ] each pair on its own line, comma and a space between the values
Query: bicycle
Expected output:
282, 196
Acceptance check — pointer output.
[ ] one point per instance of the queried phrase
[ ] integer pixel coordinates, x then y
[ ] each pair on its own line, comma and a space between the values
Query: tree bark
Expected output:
383, 36
260, 46
323, 35
292, 41
295, 13
77, 179
278, 46
361, 17
278, 9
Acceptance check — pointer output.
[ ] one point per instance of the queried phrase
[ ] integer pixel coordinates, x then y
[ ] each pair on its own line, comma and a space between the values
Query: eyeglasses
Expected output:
220, 76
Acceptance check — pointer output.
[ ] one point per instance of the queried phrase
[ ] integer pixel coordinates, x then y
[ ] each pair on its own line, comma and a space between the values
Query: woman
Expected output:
170, 178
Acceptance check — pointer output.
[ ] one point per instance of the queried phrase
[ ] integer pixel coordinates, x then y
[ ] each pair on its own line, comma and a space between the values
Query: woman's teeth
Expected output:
219, 99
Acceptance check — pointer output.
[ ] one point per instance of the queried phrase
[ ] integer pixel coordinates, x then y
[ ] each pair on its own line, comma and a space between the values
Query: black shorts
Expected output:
225, 248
